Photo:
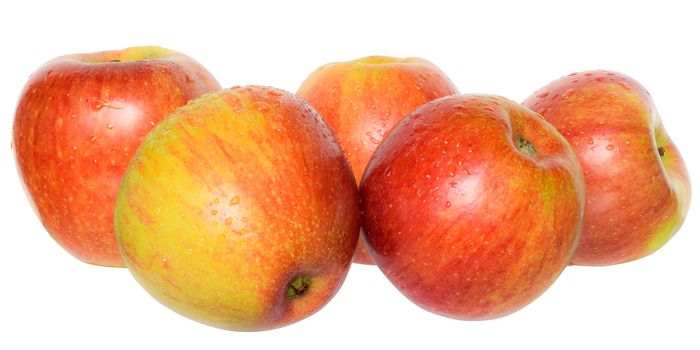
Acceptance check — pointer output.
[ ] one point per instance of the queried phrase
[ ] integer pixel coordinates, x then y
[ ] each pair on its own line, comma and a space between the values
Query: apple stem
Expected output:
662, 151
525, 146
298, 287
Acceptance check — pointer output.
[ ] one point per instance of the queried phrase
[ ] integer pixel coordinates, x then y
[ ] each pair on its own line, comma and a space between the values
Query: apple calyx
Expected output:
661, 151
298, 287
525, 146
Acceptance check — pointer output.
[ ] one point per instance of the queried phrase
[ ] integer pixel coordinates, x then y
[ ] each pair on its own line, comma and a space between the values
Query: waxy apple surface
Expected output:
364, 98
472, 206
240, 210
79, 121
637, 185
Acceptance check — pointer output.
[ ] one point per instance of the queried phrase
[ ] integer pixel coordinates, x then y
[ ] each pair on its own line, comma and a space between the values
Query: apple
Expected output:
240, 210
472, 206
637, 186
79, 120
364, 98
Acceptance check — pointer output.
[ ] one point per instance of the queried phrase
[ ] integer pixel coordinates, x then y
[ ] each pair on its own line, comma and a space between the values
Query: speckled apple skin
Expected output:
231, 199
460, 218
637, 185
364, 98
79, 121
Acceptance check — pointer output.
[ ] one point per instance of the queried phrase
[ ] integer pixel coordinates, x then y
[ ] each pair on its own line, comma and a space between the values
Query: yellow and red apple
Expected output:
472, 206
363, 99
240, 210
79, 120
637, 186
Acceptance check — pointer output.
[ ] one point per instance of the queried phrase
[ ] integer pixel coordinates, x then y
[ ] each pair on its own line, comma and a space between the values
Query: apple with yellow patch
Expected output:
240, 210
637, 185
79, 121
364, 98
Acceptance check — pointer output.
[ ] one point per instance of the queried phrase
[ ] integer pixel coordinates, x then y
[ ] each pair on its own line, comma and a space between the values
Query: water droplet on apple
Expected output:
273, 92
214, 212
543, 94
234, 200
448, 204
590, 141
97, 106
566, 94
229, 221
599, 78
625, 85
609, 147
588, 74
110, 126
453, 184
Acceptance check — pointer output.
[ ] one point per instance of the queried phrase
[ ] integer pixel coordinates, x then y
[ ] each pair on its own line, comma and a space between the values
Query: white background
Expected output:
50, 300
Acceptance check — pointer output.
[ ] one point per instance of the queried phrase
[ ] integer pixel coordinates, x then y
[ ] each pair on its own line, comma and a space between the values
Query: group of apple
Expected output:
244, 208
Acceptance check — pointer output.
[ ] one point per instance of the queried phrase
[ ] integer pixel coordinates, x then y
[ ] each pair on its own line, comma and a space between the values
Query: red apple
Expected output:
240, 210
362, 99
79, 120
472, 206
637, 186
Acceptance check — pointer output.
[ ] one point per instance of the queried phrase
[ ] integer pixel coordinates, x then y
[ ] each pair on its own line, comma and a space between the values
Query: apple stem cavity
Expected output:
525, 146
298, 287
662, 151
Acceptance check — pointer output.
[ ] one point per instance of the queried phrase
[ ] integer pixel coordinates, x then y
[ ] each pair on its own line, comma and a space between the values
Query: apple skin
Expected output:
79, 120
461, 218
637, 185
364, 98
231, 200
